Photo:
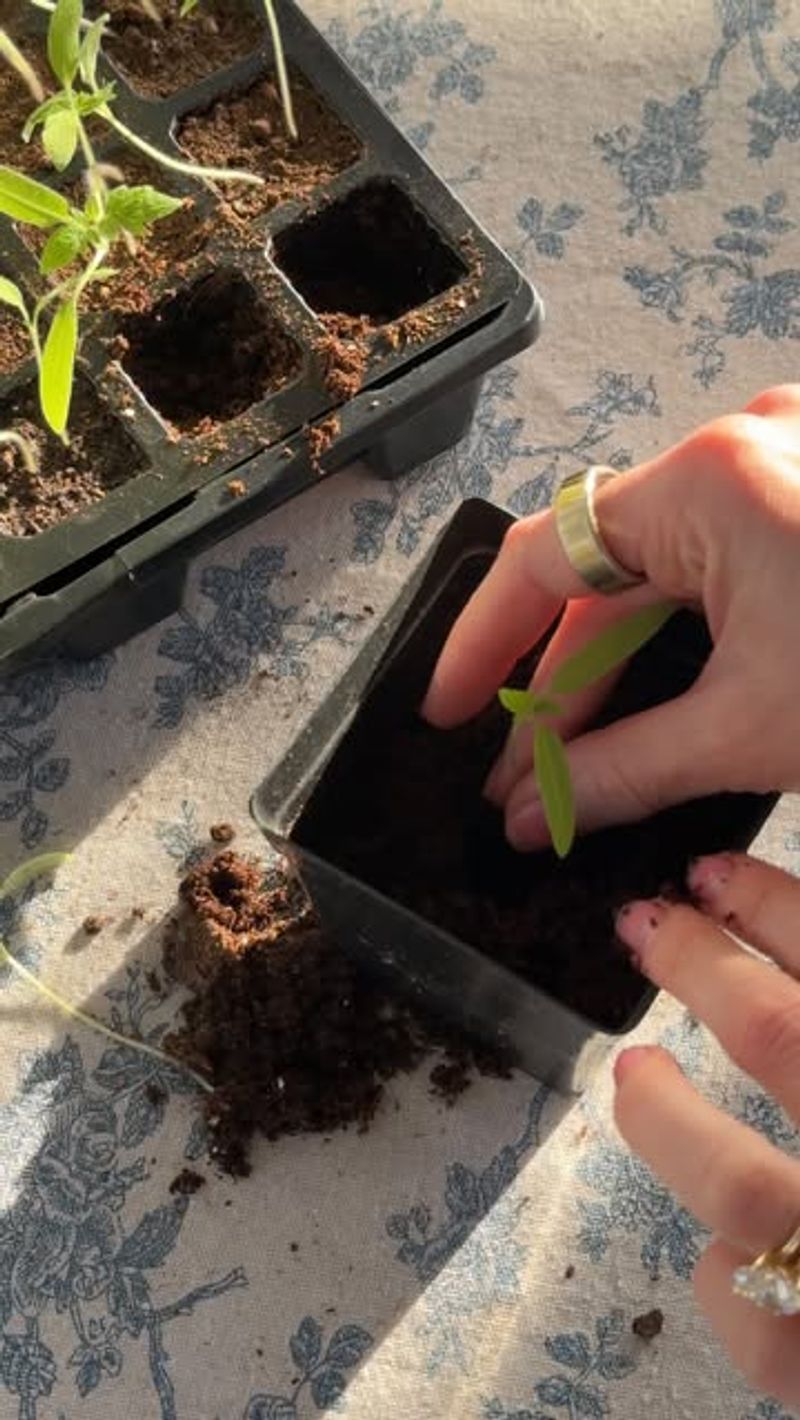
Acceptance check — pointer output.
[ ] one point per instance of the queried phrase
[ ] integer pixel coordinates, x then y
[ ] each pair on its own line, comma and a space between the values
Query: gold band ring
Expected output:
580, 536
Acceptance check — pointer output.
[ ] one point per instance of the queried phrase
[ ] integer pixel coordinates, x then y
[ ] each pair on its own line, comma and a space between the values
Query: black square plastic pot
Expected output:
326, 806
104, 573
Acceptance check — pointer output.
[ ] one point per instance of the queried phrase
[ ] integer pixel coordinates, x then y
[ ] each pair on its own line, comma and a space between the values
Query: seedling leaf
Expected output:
90, 50
555, 787
58, 367
62, 247
60, 137
24, 200
133, 209
610, 648
57, 103
10, 295
519, 703
64, 40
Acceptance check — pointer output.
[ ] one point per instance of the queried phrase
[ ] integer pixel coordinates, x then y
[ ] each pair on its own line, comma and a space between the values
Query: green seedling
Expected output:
74, 255
73, 52
18, 880
609, 649
280, 62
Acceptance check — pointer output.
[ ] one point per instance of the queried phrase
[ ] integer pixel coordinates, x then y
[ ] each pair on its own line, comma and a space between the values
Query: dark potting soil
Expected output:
160, 59
372, 254
209, 352
295, 1037
100, 456
15, 347
248, 132
401, 809
17, 101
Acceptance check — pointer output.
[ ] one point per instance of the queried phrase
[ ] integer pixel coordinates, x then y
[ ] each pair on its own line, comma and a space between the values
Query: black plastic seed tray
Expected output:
106, 572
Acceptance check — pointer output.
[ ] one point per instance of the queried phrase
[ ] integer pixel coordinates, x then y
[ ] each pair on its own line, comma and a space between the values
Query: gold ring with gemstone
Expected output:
580, 536
772, 1281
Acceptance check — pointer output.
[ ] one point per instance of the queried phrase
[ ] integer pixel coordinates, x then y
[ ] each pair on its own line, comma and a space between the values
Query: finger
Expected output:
518, 599
780, 402
581, 622
758, 902
728, 1176
765, 1348
752, 1009
631, 769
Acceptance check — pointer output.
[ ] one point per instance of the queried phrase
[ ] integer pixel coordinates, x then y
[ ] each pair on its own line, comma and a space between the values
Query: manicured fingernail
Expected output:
628, 1060
526, 827
636, 923
708, 877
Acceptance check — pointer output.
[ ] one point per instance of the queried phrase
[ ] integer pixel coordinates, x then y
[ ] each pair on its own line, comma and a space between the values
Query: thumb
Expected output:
633, 768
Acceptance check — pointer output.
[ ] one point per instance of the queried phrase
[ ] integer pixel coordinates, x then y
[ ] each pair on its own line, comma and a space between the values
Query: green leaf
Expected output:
62, 247
58, 367
103, 273
133, 209
90, 50
90, 103
27, 872
64, 40
555, 787
187, 7
10, 295
613, 646
58, 103
519, 703
60, 138
24, 200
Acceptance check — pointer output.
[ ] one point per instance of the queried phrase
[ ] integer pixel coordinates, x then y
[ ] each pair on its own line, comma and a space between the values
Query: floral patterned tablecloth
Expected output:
484, 1262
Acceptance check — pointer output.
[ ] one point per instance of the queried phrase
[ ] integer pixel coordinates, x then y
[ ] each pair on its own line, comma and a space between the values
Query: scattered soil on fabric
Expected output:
187, 1183
158, 60
248, 132
178, 351
649, 1325
295, 1037
401, 809
100, 456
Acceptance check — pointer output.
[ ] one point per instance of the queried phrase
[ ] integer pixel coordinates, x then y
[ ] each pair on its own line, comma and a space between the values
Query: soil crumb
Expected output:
649, 1325
222, 832
187, 1183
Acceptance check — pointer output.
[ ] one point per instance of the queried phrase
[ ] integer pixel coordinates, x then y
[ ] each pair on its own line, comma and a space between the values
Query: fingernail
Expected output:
636, 923
708, 877
629, 1060
526, 827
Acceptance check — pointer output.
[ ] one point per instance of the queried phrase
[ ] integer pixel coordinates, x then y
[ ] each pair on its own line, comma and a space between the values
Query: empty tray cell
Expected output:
248, 131
210, 352
161, 59
371, 254
101, 456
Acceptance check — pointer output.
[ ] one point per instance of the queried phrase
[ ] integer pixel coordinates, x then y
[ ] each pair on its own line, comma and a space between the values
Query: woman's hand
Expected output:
714, 522
731, 1178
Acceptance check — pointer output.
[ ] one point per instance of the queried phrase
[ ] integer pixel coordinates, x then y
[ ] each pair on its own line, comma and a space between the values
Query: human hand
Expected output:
731, 1178
713, 522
